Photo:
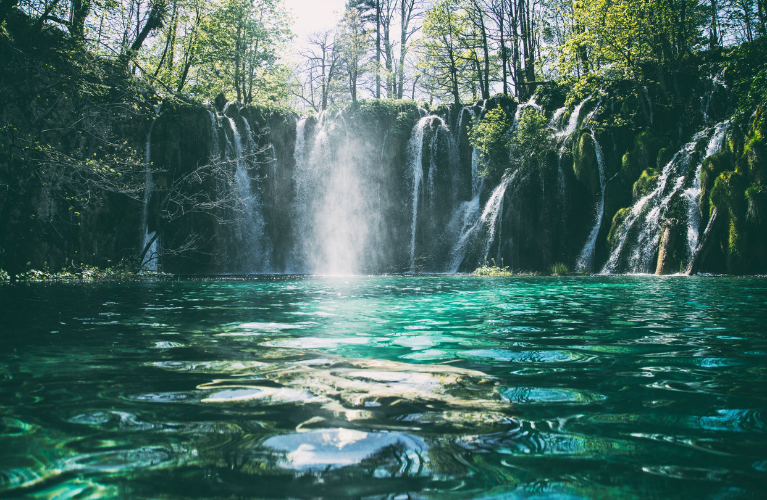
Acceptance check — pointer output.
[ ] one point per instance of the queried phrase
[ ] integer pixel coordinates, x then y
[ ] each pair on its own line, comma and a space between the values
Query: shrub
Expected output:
491, 138
559, 269
492, 271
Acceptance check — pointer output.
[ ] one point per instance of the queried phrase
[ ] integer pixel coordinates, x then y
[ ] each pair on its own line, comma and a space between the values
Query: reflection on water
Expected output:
385, 387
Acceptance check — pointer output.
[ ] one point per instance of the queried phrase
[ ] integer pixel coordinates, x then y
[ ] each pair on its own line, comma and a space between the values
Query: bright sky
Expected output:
314, 15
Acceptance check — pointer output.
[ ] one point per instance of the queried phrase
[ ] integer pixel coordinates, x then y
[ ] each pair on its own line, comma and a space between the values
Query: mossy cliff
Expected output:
93, 162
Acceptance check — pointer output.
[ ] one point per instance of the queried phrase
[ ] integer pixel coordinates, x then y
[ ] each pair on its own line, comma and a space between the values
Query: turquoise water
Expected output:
385, 387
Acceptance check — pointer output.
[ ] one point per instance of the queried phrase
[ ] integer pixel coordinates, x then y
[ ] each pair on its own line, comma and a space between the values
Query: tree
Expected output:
410, 13
322, 65
241, 42
353, 46
443, 29
491, 138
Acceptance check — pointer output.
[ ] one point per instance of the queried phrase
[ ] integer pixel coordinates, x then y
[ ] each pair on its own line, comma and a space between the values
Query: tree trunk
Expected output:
80, 11
154, 20
389, 67
404, 21
378, 49
504, 57
237, 63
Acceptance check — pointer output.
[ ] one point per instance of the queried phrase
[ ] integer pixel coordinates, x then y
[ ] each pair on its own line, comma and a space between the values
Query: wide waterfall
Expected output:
352, 191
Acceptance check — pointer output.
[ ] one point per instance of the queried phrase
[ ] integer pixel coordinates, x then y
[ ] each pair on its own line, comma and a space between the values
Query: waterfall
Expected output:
562, 137
692, 194
556, 118
252, 247
585, 260
415, 154
705, 100
572, 123
467, 214
335, 204
639, 233
150, 258
529, 104
484, 227
214, 138
649, 103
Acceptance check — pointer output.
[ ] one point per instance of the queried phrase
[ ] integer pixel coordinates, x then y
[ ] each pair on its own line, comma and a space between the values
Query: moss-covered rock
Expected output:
645, 184
585, 164
618, 218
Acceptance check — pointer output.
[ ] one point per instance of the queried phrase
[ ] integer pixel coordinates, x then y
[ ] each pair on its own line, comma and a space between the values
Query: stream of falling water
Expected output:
252, 246
641, 228
152, 255
415, 153
585, 260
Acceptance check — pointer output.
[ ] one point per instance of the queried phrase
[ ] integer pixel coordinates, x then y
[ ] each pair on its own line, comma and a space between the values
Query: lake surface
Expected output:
385, 387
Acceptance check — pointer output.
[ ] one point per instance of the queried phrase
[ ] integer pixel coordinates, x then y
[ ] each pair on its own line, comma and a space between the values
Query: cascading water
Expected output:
692, 194
562, 136
415, 155
706, 99
529, 104
585, 260
639, 234
468, 213
336, 208
482, 233
152, 254
252, 246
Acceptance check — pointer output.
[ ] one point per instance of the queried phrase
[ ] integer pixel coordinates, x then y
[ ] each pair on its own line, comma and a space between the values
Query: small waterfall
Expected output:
441, 130
572, 124
479, 228
556, 118
252, 247
467, 214
415, 154
562, 137
152, 255
529, 104
705, 100
493, 209
215, 153
692, 194
585, 260
646, 94
639, 234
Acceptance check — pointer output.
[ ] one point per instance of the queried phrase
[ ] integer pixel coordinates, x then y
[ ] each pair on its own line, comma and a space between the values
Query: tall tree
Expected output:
353, 46
443, 29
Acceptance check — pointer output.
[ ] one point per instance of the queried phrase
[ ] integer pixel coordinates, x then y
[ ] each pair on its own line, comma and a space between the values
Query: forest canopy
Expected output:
445, 50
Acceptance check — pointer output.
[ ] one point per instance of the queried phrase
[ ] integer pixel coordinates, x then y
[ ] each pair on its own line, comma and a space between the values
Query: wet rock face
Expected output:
355, 192
585, 164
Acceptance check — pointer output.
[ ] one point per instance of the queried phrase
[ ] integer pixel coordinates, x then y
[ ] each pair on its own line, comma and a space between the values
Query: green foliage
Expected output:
4, 278
646, 183
492, 271
491, 138
85, 273
747, 74
620, 216
559, 269
729, 196
241, 44
533, 139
